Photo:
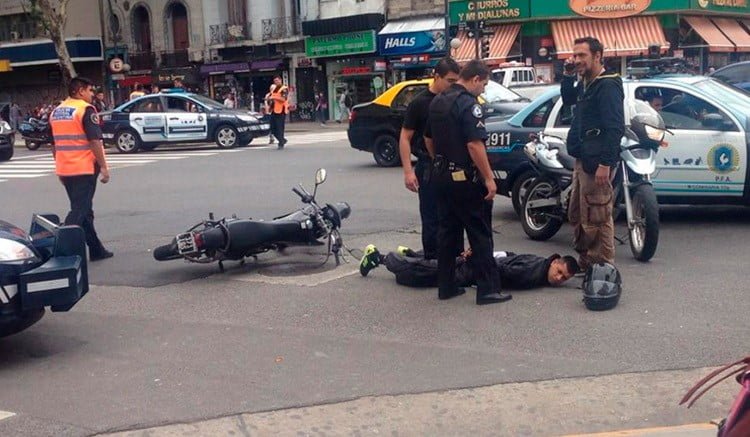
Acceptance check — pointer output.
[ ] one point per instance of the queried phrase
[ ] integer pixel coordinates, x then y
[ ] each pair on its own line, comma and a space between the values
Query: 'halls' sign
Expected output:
410, 43
609, 8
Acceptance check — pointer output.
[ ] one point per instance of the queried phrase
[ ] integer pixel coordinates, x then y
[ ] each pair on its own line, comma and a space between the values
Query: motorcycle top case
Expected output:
57, 283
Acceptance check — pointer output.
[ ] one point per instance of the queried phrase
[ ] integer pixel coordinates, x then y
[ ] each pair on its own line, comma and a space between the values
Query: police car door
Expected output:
147, 118
707, 155
186, 120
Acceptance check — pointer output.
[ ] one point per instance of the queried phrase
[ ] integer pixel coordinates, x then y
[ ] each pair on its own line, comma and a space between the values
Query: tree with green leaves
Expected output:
52, 17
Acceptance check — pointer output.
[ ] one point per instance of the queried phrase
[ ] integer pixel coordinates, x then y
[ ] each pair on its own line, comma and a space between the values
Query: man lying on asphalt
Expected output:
520, 272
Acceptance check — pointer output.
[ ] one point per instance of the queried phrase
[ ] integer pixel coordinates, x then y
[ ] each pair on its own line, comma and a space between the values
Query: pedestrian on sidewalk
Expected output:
345, 105
321, 104
230, 102
99, 102
279, 110
15, 116
80, 159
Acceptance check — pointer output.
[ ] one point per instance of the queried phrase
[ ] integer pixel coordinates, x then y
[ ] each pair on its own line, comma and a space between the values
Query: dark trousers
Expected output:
461, 206
81, 191
428, 210
277, 126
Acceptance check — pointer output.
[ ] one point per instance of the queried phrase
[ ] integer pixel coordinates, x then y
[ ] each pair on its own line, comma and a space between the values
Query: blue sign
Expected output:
412, 43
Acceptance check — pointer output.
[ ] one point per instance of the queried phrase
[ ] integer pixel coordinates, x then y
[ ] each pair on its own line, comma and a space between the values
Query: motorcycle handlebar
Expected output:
299, 193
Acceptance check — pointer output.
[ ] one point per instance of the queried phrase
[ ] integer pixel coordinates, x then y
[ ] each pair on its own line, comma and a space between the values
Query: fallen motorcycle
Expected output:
236, 239
44, 268
545, 204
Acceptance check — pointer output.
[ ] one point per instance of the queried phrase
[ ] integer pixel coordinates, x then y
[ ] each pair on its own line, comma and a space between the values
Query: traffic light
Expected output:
485, 49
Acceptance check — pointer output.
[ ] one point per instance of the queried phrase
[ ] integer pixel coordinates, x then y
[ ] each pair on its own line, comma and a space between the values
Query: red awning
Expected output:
500, 44
621, 37
132, 80
734, 32
711, 34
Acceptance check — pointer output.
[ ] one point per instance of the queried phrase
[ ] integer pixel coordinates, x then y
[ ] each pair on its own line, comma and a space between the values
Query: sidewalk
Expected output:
291, 127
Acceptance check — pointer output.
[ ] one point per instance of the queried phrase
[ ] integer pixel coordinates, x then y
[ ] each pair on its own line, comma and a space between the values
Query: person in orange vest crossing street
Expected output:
79, 158
279, 110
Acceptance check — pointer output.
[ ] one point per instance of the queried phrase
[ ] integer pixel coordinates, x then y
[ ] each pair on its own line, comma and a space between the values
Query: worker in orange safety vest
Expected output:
279, 110
79, 158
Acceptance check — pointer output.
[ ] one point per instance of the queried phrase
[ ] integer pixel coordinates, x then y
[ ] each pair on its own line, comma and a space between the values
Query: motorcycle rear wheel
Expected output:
32, 145
167, 252
539, 225
644, 237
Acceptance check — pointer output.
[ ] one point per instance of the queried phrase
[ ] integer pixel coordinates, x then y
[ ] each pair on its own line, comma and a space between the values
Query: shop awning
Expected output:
734, 31
621, 37
711, 34
418, 25
500, 44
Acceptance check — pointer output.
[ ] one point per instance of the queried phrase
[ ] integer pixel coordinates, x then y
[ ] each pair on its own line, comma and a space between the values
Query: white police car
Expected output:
706, 161
174, 116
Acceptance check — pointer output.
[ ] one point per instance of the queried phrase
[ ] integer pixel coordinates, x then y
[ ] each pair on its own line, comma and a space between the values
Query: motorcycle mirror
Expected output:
320, 176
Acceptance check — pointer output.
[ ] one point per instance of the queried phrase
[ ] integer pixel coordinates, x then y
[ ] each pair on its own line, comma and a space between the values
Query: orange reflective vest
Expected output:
73, 155
280, 107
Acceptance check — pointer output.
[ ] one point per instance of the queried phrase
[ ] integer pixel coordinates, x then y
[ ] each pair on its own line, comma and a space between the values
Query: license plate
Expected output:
186, 243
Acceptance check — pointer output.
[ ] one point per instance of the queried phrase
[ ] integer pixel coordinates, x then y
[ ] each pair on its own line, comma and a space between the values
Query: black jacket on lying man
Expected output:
520, 272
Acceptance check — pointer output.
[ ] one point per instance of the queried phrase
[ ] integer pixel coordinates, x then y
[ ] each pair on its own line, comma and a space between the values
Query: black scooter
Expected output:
36, 133
236, 239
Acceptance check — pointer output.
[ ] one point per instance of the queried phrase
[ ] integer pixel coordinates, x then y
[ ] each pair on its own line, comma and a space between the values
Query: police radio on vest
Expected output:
400, 42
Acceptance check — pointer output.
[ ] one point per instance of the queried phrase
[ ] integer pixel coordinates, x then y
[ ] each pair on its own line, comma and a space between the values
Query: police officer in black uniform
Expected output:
454, 137
412, 143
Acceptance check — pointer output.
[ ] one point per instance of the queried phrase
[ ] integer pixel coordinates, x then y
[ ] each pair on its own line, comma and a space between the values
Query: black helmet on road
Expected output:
602, 287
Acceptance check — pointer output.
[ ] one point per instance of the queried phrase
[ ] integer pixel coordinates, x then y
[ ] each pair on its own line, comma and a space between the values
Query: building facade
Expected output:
541, 33
32, 73
157, 40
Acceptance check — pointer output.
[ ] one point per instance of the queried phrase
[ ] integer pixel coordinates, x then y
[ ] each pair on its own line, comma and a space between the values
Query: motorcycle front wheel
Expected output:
32, 145
541, 223
644, 235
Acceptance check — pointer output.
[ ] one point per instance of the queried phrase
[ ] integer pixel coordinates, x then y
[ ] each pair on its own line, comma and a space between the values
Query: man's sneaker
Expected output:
370, 260
405, 251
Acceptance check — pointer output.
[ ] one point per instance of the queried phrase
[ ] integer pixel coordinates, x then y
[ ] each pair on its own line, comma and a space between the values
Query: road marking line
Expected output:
25, 170
16, 176
6, 415
312, 280
652, 432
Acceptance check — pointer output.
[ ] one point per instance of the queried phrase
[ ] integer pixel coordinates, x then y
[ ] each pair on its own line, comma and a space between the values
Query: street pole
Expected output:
448, 38
477, 37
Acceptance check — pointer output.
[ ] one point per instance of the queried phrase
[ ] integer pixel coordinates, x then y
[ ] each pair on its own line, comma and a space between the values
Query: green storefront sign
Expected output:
488, 10
352, 43
561, 8
728, 6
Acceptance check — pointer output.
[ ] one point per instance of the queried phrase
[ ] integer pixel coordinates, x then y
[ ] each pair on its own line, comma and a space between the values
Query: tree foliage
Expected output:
51, 15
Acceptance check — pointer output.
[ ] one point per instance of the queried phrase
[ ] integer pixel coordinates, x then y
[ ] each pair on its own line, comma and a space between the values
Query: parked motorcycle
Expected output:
545, 205
35, 133
44, 268
235, 239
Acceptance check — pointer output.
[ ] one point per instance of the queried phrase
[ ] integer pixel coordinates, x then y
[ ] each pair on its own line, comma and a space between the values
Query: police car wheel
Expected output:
385, 151
226, 137
127, 141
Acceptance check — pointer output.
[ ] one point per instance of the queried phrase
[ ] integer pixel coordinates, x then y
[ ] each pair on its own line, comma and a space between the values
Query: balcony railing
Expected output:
281, 27
142, 60
177, 58
226, 32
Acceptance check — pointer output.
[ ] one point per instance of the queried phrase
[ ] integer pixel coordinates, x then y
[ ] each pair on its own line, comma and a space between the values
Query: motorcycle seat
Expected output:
248, 233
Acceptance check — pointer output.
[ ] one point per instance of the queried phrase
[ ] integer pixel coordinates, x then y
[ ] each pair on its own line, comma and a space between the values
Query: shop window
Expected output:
680, 110
539, 117
406, 95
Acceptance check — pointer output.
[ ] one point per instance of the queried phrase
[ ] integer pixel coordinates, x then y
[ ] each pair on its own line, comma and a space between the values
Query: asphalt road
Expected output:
157, 343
